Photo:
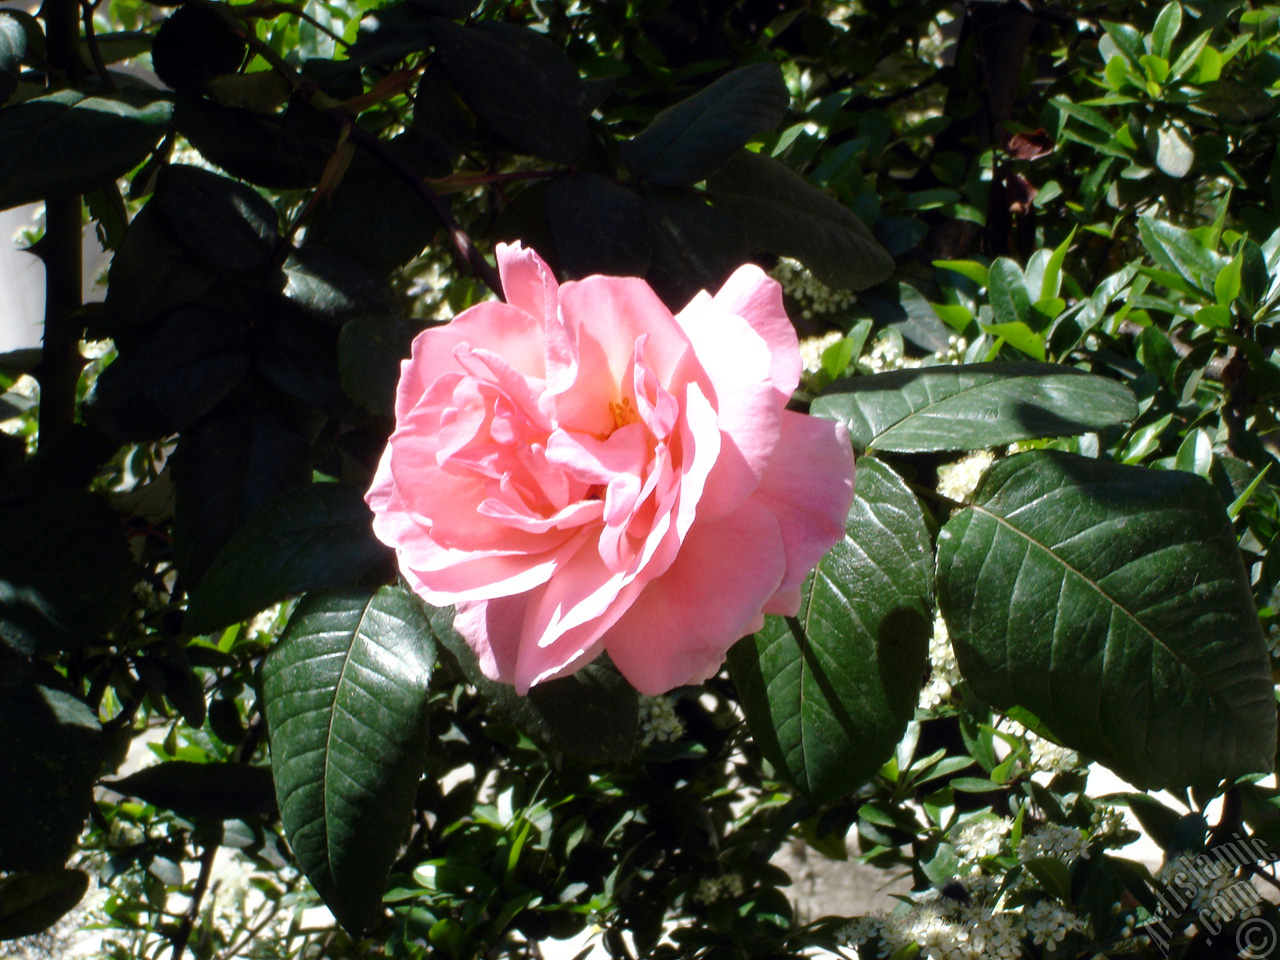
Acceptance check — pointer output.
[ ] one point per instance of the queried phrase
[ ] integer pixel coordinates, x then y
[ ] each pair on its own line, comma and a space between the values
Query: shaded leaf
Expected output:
597, 226
13, 47
221, 221
522, 87
314, 537
189, 363
50, 751
693, 246
370, 350
829, 693
224, 469
345, 694
783, 213
972, 406
285, 152
67, 142
33, 902
194, 45
333, 287
201, 791
693, 139
1111, 602
66, 577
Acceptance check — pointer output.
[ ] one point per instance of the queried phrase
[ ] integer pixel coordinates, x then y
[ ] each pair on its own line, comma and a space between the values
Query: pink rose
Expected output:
576, 469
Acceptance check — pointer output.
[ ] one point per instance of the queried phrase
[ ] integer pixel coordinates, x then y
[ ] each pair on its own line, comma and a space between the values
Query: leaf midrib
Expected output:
1214, 694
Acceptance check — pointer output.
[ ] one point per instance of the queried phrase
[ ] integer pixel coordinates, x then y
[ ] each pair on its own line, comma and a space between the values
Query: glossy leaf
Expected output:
68, 142
345, 694
972, 406
1112, 603
691, 140
50, 752
221, 221
33, 902
829, 693
314, 537
335, 288
202, 791
522, 87
1010, 300
783, 213
1177, 250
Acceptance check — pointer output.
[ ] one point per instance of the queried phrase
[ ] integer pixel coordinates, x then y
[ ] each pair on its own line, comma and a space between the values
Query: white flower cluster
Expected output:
1199, 883
972, 929
957, 481
981, 837
944, 672
659, 721
1107, 822
711, 889
812, 348
886, 354
1066, 844
1045, 755
954, 354
814, 297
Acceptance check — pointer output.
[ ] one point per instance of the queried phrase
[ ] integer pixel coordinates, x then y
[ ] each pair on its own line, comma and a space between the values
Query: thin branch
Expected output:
91, 38
188, 924
60, 362
464, 248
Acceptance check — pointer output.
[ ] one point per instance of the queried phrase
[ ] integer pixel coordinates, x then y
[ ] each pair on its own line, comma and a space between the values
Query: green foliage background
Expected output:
1042, 229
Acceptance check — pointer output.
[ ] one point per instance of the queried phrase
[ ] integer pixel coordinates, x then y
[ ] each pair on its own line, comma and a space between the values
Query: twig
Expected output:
60, 360
465, 249
192, 913
86, 15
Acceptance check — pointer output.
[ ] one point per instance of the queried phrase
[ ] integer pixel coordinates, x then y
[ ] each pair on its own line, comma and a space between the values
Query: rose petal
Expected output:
757, 298
679, 628
809, 489
527, 282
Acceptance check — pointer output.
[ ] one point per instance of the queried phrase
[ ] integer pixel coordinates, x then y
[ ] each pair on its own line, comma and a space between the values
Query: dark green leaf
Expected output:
592, 714
597, 226
202, 791
221, 221
189, 363
117, 46
224, 469
310, 538
829, 693
370, 350
693, 139
298, 353
693, 246
285, 152
67, 143
335, 288
783, 213
345, 694
1112, 603
373, 217
1010, 301
33, 902
49, 758
195, 44
972, 406
66, 577
1179, 251
522, 87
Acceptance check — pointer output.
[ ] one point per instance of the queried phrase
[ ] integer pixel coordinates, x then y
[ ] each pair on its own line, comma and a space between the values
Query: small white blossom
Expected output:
980, 837
1066, 844
711, 889
886, 354
811, 350
954, 354
813, 296
659, 721
1048, 923
957, 481
944, 671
